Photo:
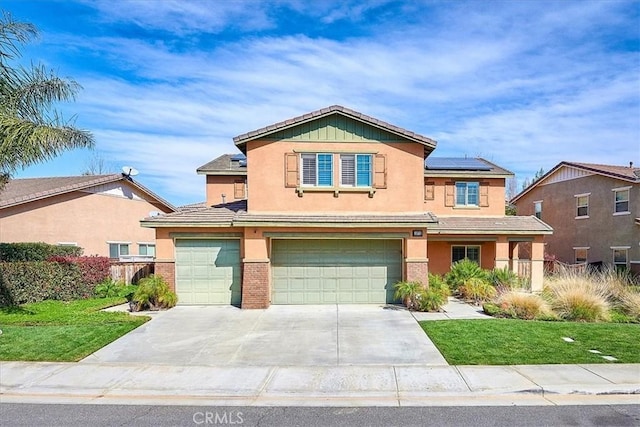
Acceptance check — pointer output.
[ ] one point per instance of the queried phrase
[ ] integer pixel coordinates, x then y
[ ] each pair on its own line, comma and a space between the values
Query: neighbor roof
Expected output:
463, 167
492, 225
227, 164
624, 173
25, 190
241, 140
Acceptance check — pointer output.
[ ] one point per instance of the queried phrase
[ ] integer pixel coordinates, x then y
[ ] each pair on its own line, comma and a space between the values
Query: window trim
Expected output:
581, 248
356, 171
466, 195
535, 212
317, 170
628, 201
578, 206
626, 255
147, 244
466, 253
119, 243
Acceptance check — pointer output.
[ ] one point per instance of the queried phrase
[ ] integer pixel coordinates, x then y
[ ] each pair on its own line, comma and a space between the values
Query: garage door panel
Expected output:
208, 271
335, 271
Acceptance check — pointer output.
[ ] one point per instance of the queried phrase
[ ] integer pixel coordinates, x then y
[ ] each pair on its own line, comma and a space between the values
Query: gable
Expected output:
565, 173
116, 189
334, 128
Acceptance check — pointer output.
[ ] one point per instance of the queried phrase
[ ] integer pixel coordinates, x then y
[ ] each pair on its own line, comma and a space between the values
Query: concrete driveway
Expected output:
321, 335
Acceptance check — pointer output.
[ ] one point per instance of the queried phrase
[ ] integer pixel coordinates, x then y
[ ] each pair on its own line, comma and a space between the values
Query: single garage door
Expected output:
208, 271
335, 271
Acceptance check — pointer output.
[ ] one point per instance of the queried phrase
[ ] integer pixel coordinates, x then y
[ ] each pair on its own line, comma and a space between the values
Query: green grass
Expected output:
524, 342
61, 331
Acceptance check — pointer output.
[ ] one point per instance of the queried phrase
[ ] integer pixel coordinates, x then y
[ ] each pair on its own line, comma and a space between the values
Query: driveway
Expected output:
285, 335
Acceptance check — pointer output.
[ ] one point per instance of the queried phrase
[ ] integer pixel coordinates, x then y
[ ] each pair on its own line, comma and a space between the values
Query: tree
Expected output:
97, 165
31, 129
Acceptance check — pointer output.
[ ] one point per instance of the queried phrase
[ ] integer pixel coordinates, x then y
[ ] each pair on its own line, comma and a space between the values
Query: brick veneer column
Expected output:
167, 269
255, 284
418, 271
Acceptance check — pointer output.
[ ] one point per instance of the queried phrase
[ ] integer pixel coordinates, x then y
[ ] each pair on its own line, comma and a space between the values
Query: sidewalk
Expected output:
104, 383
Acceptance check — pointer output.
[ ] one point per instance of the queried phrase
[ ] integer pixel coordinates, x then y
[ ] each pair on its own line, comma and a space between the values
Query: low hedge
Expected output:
20, 252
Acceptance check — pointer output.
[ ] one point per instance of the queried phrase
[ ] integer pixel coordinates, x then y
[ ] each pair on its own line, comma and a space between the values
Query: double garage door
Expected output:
335, 271
303, 271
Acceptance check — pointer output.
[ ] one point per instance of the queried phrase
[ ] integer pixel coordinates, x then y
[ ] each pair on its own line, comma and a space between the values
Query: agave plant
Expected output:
463, 270
153, 293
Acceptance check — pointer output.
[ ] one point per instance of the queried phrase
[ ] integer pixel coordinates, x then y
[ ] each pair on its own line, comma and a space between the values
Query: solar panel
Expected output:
238, 157
456, 163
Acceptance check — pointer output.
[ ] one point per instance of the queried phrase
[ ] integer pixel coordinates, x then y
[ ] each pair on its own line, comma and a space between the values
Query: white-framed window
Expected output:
621, 200
117, 249
621, 257
537, 209
147, 249
356, 170
460, 252
582, 205
467, 193
581, 255
317, 169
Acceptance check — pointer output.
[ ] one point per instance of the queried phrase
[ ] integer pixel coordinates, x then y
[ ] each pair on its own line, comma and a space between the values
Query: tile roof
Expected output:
24, 190
336, 220
241, 140
497, 225
218, 215
223, 165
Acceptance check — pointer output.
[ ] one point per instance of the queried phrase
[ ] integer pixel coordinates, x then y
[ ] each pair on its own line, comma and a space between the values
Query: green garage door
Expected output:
208, 271
335, 271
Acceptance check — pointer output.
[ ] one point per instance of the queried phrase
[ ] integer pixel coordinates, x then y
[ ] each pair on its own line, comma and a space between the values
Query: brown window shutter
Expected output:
449, 194
239, 190
291, 170
484, 194
380, 171
429, 190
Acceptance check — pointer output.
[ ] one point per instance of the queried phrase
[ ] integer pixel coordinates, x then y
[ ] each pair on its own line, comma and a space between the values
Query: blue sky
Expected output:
168, 83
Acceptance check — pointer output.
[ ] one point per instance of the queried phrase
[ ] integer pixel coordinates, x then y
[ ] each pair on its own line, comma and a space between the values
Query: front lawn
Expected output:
524, 342
61, 331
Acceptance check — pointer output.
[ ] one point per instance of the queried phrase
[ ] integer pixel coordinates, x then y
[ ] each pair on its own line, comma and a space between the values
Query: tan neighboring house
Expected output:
594, 210
335, 207
100, 213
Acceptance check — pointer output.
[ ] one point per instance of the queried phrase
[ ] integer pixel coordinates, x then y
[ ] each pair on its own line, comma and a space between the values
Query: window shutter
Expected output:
449, 194
429, 190
380, 171
291, 177
238, 190
484, 194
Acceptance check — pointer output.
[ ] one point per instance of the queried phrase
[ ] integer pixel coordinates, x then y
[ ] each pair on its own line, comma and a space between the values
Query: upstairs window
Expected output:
582, 206
355, 170
537, 209
467, 193
117, 249
620, 258
317, 170
459, 253
621, 200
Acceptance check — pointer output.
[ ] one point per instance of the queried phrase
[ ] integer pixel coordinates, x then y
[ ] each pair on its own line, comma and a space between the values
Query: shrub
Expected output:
109, 288
631, 304
463, 270
26, 282
435, 296
492, 309
153, 293
94, 269
23, 252
522, 305
476, 290
408, 293
503, 279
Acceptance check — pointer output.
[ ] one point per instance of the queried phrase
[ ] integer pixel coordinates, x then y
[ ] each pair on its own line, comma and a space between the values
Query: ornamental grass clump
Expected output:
153, 293
522, 305
477, 290
579, 295
435, 295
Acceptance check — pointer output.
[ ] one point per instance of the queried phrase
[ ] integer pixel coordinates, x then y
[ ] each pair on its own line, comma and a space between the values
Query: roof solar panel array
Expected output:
456, 163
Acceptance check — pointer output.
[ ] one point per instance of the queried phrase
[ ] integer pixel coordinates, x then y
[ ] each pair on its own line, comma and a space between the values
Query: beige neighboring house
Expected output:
100, 213
594, 210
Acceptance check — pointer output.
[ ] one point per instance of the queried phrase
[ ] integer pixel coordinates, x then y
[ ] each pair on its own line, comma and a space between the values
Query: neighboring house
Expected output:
336, 207
100, 213
593, 209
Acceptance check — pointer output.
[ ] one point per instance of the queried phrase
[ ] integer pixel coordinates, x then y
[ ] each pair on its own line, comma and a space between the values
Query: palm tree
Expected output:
31, 129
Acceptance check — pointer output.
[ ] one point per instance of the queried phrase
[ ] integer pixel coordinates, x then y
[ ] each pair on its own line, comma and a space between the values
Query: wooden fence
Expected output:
131, 272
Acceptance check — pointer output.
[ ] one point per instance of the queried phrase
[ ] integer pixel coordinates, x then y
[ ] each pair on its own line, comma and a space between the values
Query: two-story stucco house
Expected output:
336, 207
594, 210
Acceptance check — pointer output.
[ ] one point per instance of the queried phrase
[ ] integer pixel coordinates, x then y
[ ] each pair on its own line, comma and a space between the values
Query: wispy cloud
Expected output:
527, 84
